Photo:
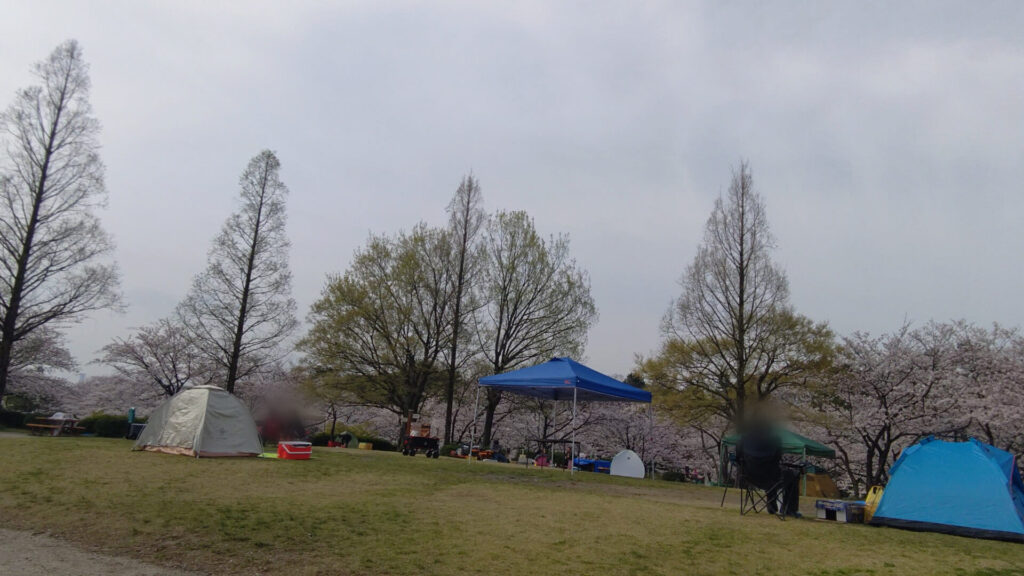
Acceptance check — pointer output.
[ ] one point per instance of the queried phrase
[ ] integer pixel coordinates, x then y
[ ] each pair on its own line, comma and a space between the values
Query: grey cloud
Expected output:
886, 139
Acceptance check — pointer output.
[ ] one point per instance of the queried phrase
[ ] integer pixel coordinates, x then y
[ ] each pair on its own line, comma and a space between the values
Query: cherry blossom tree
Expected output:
160, 355
112, 394
886, 393
37, 364
989, 379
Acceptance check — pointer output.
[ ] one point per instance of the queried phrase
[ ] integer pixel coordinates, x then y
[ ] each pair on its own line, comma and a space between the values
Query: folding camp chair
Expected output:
765, 495
759, 476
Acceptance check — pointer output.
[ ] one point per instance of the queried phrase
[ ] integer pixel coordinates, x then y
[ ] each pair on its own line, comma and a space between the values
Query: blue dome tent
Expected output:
964, 488
562, 379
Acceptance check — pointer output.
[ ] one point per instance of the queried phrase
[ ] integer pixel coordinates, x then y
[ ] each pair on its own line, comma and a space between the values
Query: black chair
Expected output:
764, 484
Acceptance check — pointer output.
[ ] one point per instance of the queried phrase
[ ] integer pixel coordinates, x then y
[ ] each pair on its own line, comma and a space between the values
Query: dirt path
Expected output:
27, 554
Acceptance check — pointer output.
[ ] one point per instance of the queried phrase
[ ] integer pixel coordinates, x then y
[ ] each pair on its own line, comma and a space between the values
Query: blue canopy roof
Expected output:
556, 380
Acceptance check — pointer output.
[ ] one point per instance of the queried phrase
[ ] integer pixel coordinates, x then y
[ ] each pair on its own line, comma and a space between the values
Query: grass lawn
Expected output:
356, 512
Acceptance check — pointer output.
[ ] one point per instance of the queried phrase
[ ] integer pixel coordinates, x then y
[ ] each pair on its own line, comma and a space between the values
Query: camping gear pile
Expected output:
793, 444
416, 437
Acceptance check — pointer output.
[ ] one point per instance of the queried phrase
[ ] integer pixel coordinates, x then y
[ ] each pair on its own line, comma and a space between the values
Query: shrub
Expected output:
12, 419
674, 476
320, 438
560, 459
105, 425
447, 449
379, 443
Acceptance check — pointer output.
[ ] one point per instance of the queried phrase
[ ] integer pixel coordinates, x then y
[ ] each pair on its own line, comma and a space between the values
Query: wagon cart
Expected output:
417, 438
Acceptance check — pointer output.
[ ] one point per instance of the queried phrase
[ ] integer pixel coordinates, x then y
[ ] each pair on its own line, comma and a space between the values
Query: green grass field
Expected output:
356, 512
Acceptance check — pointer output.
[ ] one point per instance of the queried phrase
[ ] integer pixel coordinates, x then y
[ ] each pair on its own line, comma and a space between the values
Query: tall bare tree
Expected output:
52, 247
160, 355
466, 219
538, 302
240, 308
734, 312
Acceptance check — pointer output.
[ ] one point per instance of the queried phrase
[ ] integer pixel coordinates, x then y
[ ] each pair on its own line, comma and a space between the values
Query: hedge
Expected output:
106, 425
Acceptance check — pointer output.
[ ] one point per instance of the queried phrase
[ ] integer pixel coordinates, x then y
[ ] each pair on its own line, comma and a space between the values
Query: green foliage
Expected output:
378, 329
379, 443
674, 476
635, 378
320, 438
691, 382
26, 404
107, 425
14, 419
560, 459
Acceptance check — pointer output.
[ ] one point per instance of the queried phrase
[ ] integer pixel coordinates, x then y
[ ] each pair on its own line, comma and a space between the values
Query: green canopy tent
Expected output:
792, 443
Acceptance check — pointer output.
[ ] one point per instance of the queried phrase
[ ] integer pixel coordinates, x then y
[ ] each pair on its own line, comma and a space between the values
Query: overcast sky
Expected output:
885, 137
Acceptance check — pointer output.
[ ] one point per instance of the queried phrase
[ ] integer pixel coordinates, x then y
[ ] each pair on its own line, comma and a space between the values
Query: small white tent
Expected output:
204, 421
627, 463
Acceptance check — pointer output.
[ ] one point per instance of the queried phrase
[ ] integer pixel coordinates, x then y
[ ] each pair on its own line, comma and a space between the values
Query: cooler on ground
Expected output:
294, 450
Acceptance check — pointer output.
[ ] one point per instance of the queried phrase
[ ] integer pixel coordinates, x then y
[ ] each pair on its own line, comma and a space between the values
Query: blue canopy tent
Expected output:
561, 379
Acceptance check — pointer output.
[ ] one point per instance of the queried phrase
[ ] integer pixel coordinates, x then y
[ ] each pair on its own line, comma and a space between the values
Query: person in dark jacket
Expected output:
759, 454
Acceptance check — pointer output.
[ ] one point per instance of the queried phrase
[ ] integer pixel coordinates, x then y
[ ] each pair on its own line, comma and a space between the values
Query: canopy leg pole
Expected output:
476, 416
803, 471
572, 448
554, 430
650, 436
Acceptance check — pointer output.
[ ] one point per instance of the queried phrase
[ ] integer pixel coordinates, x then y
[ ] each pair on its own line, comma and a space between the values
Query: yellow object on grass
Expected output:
871, 502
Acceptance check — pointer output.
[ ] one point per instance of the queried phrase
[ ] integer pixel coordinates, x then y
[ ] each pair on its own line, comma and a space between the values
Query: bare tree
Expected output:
161, 355
538, 302
734, 310
52, 247
240, 308
466, 219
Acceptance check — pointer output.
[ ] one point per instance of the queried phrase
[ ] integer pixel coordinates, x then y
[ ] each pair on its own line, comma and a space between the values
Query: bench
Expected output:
66, 427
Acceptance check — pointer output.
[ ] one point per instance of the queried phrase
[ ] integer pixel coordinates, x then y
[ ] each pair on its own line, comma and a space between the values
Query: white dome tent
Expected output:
203, 421
627, 463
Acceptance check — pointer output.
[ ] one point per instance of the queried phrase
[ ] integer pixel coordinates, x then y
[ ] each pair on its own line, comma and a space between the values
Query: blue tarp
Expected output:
967, 488
599, 466
556, 380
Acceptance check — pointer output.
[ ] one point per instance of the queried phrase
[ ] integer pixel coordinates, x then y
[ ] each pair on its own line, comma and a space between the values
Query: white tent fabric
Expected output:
204, 421
627, 463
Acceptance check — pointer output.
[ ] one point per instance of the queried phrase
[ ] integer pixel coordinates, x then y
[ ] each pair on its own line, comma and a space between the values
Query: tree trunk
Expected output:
10, 322
456, 327
236, 345
6, 349
493, 399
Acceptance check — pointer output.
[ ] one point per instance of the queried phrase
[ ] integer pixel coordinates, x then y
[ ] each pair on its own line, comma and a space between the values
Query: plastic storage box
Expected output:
840, 511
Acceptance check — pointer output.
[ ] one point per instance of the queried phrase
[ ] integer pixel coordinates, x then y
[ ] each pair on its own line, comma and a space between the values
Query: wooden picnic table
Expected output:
55, 427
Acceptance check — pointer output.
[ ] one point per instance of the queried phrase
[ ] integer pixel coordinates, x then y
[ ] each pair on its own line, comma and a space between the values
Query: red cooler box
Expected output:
294, 450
